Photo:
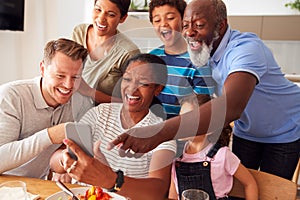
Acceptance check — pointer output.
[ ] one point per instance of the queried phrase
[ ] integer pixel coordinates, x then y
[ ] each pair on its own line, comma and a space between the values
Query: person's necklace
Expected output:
126, 124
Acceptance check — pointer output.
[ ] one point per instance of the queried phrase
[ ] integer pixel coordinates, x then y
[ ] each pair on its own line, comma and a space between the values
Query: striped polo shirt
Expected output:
184, 79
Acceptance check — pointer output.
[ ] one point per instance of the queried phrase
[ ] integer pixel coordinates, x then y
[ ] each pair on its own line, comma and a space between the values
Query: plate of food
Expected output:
83, 193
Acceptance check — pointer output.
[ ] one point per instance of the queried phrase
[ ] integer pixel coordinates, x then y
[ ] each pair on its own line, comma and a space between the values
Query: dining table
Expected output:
43, 188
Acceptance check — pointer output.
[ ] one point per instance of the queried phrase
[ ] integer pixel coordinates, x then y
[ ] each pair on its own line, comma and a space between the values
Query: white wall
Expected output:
44, 20
259, 7
21, 52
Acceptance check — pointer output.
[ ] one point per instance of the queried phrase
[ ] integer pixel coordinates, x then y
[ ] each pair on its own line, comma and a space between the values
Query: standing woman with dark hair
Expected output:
108, 48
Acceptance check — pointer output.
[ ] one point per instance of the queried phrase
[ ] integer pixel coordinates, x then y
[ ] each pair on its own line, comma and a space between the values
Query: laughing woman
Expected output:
108, 48
146, 176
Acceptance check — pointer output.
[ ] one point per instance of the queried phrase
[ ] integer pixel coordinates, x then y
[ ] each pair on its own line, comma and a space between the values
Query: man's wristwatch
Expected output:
119, 182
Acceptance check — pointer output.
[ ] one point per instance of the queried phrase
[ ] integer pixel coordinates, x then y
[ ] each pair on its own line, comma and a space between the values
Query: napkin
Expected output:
15, 193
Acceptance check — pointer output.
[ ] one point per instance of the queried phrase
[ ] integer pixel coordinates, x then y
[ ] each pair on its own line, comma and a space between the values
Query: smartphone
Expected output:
81, 134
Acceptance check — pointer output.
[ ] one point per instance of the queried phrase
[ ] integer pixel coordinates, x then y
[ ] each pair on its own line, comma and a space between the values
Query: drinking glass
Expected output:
194, 194
13, 190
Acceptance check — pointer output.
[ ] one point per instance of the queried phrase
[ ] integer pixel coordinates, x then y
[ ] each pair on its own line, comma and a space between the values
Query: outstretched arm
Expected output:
210, 117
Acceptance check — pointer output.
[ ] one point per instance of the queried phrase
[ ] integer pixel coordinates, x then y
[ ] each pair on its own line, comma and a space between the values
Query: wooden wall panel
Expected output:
281, 27
246, 23
268, 27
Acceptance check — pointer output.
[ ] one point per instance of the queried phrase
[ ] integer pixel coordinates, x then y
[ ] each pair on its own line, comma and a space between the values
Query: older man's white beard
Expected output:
200, 57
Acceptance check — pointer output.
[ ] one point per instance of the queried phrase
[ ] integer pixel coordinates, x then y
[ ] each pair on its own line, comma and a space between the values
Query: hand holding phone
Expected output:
81, 134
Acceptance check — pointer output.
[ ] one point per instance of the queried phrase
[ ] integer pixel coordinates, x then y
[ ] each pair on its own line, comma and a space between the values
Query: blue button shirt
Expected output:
272, 114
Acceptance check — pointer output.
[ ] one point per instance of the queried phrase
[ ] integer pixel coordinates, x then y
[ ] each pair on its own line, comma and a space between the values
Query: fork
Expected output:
66, 190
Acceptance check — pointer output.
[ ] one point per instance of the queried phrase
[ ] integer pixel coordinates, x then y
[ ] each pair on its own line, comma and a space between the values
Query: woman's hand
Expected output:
90, 170
86, 90
65, 178
96, 95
